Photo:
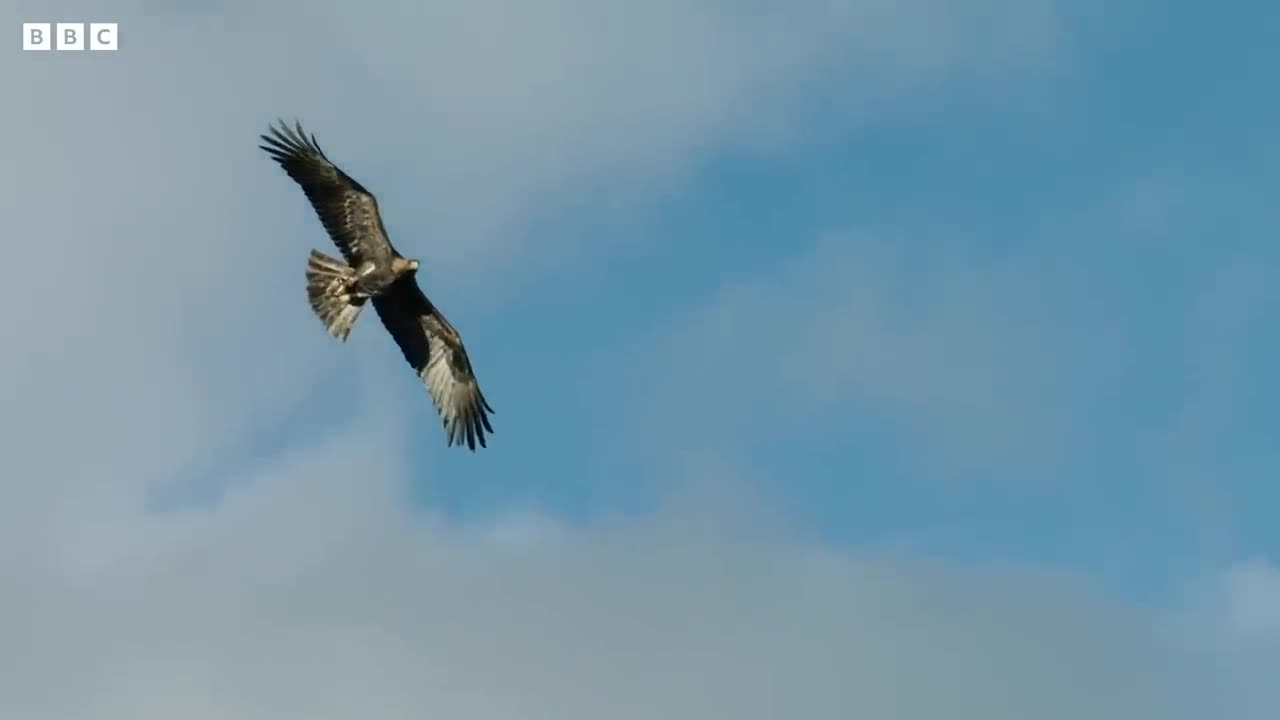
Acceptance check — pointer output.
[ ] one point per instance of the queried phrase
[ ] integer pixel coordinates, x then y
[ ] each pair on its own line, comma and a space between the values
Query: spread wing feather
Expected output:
435, 351
348, 211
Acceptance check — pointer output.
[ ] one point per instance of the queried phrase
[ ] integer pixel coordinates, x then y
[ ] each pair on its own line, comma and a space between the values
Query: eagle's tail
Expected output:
327, 291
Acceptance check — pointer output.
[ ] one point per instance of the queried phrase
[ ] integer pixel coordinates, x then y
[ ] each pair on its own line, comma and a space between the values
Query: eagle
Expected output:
375, 272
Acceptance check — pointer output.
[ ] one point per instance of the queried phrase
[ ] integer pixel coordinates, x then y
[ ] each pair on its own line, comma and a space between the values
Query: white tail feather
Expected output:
327, 280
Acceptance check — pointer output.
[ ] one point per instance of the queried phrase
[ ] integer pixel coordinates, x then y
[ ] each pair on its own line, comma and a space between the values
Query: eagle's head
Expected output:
404, 266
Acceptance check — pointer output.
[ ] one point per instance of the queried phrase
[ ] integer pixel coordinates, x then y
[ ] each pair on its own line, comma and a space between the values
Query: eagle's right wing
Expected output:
434, 350
347, 210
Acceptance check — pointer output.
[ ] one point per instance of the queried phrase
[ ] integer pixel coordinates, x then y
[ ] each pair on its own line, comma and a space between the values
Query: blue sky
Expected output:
1127, 180
905, 355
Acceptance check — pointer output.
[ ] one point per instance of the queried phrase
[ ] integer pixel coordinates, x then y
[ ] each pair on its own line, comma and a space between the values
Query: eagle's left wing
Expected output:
435, 351
348, 211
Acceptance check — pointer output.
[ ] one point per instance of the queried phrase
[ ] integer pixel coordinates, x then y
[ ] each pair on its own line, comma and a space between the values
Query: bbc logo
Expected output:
69, 36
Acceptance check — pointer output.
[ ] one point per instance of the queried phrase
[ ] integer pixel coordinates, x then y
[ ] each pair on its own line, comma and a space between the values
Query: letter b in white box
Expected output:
37, 36
70, 36
102, 36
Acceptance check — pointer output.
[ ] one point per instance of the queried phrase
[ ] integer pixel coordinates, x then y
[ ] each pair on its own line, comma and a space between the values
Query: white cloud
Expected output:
1253, 598
307, 594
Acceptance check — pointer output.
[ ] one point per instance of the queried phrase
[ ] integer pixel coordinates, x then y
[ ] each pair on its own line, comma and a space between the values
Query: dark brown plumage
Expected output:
376, 272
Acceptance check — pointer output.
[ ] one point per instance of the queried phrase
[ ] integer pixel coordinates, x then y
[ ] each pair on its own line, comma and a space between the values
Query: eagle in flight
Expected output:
375, 272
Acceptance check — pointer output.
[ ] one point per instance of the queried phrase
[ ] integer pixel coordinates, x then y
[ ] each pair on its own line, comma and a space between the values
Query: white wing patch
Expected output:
455, 399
